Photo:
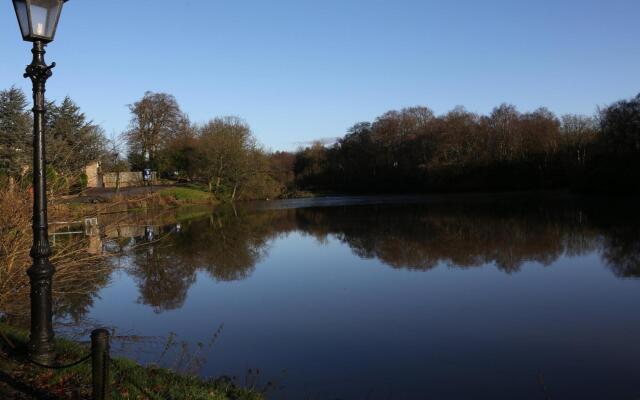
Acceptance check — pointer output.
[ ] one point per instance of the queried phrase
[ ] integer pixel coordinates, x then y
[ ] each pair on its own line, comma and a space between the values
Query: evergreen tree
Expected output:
15, 132
72, 141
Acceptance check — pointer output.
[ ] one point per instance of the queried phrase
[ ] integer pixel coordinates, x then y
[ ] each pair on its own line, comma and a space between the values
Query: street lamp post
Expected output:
38, 20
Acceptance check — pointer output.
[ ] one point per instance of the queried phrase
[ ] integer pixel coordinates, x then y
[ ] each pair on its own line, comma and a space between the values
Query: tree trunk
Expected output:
233, 196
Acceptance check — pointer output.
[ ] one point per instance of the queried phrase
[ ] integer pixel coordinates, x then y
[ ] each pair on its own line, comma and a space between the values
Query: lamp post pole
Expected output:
41, 346
38, 20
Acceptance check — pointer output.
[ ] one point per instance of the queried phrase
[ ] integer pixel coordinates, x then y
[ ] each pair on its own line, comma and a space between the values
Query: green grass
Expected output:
128, 379
187, 194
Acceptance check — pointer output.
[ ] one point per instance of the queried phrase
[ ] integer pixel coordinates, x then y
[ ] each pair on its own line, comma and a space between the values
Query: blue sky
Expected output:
299, 70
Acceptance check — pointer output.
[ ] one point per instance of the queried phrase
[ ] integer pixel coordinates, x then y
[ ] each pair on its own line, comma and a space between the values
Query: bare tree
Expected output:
156, 118
113, 161
578, 133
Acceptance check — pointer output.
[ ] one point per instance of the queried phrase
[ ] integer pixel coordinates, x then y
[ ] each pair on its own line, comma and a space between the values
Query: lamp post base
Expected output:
41, 345
43, 355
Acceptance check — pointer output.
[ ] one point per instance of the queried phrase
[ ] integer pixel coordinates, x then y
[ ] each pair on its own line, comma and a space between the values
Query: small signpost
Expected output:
146, 177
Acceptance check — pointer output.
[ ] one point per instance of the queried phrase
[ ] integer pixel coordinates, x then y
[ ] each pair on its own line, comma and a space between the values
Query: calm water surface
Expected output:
388, 298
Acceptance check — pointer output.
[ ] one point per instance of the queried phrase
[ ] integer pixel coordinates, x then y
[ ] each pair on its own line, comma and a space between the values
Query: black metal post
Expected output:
100, 363
41, 347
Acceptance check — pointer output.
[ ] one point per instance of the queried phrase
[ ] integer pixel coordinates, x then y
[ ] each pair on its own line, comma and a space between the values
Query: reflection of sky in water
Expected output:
343, 326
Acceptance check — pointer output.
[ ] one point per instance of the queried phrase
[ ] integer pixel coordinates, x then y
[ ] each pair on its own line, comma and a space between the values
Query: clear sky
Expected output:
298, 70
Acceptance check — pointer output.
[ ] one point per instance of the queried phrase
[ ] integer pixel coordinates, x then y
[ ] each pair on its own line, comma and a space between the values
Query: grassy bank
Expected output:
97, 203
20, 380
187, 195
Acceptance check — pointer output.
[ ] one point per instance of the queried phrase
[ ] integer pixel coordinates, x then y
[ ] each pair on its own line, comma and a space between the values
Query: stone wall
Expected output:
127, 179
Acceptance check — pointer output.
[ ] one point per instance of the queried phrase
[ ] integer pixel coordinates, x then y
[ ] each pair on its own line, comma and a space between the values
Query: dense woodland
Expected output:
411, 150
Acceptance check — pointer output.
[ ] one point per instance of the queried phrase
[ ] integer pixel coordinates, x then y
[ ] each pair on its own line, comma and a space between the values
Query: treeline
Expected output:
411, 150
414, 150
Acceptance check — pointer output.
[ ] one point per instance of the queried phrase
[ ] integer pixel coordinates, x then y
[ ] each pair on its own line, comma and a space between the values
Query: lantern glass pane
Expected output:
23, 16
44, 16
54, 15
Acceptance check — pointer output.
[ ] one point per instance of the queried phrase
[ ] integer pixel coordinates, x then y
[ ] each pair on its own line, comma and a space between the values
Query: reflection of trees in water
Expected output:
74, 293
224, 245
228, 245
162, 275
421, 237
621, 251
80, 292
619, 228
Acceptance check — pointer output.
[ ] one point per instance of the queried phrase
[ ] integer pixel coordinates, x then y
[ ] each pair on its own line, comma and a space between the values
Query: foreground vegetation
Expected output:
128, 379
82, 269
78, 271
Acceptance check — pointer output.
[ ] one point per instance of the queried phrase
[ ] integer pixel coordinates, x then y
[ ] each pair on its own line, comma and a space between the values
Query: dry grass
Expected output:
78, 272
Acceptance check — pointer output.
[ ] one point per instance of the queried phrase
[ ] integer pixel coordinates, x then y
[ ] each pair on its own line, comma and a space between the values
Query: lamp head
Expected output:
38, 19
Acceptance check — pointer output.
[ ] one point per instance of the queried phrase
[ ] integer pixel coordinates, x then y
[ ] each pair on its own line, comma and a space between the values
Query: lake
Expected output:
509, 297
